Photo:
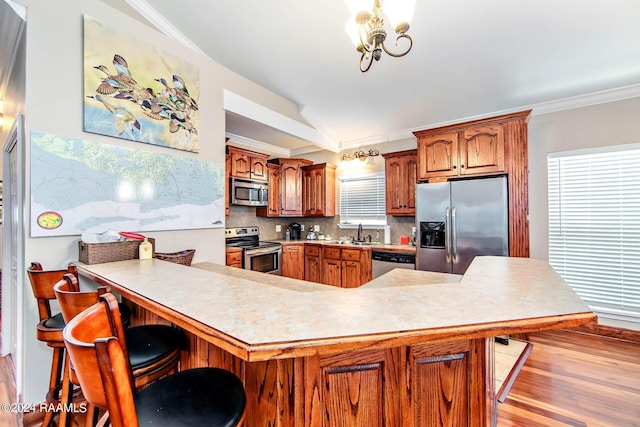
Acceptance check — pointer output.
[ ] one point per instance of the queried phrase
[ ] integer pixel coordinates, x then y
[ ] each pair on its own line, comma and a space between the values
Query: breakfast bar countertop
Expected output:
260, 317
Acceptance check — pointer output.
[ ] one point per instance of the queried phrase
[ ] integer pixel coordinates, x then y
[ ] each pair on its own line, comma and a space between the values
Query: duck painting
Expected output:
140, 95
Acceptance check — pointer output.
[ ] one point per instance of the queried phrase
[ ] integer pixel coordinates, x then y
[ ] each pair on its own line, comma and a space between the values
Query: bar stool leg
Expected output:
67, 394
54, 379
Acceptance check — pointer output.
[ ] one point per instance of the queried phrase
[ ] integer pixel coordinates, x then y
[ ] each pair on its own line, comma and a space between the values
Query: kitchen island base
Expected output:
314, 355
447, 383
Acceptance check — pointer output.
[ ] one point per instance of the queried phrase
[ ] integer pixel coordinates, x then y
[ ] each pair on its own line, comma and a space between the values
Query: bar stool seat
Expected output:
195, 397
54, 322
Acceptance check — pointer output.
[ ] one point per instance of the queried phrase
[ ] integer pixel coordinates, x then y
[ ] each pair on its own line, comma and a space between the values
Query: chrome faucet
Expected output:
359, 232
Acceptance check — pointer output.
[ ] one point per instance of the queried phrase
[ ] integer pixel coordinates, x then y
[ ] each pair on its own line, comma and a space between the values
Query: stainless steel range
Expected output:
265, 257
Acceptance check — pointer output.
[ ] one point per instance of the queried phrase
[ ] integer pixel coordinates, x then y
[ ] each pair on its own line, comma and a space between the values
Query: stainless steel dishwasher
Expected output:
384, 261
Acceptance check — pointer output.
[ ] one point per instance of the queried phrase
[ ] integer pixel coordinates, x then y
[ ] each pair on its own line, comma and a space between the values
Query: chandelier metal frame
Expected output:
373, 36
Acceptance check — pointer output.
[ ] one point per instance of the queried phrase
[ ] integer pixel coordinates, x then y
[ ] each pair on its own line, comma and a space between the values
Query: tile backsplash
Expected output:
241, 216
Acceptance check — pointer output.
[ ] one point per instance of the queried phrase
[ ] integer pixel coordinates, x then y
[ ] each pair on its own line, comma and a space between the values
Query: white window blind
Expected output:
362, 200
594, 227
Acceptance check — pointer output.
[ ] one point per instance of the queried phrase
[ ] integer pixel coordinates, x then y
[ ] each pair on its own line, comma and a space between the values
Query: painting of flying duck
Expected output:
134, 91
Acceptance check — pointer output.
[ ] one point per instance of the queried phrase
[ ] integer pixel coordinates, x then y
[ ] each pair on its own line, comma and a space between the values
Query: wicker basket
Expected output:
183, 257
97, 253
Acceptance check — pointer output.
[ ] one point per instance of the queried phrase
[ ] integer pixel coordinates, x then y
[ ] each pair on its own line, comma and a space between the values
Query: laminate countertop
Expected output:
260, 317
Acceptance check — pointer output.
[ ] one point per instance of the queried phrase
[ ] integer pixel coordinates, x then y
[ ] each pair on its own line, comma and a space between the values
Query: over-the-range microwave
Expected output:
248, 192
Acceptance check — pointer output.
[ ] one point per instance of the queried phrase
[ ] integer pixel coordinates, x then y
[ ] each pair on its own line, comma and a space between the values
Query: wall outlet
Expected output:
316, 228
278, 228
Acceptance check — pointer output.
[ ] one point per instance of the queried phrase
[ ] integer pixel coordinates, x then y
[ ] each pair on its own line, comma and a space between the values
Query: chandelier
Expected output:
366, 27
360, 155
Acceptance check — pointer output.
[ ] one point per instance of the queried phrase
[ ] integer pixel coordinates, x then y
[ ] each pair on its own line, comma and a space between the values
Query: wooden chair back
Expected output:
42, 286
100, 360
72, 302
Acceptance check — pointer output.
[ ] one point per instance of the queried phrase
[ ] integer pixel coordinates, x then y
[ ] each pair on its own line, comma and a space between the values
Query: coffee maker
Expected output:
295, 230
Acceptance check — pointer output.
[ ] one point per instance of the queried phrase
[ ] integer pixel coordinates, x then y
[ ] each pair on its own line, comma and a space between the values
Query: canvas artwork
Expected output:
82, 186
135, 91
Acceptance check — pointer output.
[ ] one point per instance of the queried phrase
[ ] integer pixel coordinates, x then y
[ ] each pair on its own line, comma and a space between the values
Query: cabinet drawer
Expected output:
312, 250
331, 253
234, 258
351, 254
291, 248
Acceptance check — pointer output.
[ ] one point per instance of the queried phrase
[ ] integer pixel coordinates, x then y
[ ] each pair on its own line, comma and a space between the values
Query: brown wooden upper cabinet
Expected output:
475, 150
273, 179
247, 164
492, 146
319, 190
291, 185
401, 175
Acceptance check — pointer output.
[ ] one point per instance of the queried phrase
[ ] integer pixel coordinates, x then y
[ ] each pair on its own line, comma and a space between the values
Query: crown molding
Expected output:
595, 98
163, 24
569, 103
259, 146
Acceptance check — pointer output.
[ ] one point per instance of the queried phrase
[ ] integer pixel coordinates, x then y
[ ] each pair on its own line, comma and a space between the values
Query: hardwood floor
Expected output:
569, 379
575, 379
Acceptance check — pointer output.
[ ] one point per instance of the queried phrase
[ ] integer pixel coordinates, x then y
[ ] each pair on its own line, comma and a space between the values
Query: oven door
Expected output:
264, 260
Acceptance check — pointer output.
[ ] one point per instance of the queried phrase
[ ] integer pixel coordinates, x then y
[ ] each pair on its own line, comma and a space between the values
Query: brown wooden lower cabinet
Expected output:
312, 265
346, 268
234, 257
293, 260
426, 384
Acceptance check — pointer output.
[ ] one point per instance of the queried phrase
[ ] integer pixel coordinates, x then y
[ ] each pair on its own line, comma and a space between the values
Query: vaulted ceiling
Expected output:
470, 58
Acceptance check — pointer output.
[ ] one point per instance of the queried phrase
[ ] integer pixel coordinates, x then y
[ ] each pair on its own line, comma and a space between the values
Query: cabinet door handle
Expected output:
454, 238
447, 236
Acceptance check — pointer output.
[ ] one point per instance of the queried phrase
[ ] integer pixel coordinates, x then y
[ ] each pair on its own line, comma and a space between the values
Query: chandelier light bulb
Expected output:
399, 13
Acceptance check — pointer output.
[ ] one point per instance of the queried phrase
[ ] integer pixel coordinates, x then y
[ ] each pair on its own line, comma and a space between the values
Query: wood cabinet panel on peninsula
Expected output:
247, 164
401, 176
493, 146
293, 260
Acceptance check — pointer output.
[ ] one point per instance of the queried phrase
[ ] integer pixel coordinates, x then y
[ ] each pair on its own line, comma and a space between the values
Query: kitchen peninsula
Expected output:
419, 354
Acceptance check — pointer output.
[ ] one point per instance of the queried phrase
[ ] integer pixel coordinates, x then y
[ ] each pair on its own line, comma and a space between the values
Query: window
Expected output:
594, 227
362, 200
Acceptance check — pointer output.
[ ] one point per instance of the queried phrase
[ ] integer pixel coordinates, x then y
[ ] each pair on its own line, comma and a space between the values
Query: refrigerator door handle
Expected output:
454, 239
447, 232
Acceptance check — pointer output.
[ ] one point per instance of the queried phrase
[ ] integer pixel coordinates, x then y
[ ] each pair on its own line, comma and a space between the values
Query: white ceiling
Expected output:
470, 58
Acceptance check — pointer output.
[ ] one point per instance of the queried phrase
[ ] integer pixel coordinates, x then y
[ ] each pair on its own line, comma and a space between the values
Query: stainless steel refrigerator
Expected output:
458, 220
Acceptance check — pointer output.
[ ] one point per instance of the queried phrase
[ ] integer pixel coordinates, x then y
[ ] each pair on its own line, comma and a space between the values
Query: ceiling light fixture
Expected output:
366, 28
360, 155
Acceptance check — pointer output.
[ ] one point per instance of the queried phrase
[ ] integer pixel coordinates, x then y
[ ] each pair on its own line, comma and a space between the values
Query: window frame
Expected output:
379, 201
594, 222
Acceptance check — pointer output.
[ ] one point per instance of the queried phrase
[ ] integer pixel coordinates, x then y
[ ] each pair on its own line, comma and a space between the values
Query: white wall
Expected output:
613, 123
54, 76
